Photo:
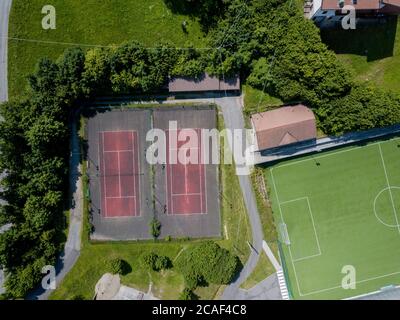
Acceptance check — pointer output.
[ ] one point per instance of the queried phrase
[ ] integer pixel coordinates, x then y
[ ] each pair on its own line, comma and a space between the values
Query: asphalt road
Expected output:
233, 116
5, 6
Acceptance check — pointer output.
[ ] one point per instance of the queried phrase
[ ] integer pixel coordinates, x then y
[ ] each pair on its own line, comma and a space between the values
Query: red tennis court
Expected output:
186, 192
119, 172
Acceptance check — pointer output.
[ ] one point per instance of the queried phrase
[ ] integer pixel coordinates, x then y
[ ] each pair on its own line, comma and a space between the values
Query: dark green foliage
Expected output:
364, 108
118, 266
277, 50
136, 68
155, 228
34, 143
187, 294
208, 263
155, 262
193, 279
207, 11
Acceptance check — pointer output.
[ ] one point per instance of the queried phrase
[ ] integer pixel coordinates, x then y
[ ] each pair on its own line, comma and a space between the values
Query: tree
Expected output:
209, 263
154, 262
96, 77
116, 266
155, 228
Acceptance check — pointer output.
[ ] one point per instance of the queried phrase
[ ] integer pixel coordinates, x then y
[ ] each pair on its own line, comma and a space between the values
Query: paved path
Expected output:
268, 289
73, 245
5, 6
271, 256
3, 229
233, 116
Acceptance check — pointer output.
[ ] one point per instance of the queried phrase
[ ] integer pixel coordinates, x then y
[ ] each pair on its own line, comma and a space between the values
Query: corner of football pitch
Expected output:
338, 214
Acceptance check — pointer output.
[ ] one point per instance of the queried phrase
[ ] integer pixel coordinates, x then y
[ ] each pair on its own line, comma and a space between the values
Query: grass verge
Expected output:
264, 267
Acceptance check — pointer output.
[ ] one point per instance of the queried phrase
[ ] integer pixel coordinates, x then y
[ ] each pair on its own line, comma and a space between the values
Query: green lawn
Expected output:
262, 270
339, 211
372, 53
80, 282
258, 101
92, 22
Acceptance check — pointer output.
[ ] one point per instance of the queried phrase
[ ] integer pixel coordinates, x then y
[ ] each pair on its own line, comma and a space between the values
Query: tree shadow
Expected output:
125, 268
207, 12
373, 38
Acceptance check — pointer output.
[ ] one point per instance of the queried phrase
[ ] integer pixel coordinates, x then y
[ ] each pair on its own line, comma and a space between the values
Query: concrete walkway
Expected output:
268, 289
271, 256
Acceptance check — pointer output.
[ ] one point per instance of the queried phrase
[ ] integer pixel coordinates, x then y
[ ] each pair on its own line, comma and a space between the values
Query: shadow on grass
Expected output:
206, 12
373, 38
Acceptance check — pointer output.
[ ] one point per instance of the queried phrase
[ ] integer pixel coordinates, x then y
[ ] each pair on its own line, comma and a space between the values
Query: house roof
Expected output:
361, 4
284, 126
392, 2
204, 83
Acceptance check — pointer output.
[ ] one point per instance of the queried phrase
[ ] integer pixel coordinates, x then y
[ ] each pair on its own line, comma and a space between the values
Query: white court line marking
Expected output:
361, 281
313, 225
171, 184
119, 175
390, 190
298, 199
184, 148
332, 153
124, 197
135, 196
133, 172
307, 257
280, 211
104, 178
185, 194
186, 178
200, 169
114, 151
135, 140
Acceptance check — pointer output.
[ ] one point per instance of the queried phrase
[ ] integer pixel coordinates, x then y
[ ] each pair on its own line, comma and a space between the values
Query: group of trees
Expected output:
276, 50
207, 263
34, 156
132, 67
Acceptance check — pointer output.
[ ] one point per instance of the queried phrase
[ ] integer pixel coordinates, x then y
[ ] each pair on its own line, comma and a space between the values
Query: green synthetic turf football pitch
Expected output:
341, 209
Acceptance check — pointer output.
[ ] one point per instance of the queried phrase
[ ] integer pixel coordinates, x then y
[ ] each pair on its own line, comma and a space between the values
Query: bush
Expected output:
118, 266
155, 228
154, 262
208, 263
162, 263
